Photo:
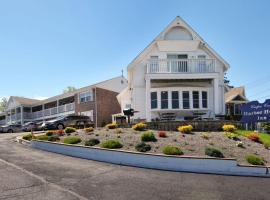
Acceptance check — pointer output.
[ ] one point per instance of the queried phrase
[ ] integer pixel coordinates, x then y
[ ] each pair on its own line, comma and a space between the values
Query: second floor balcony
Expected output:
155, 66
66, 108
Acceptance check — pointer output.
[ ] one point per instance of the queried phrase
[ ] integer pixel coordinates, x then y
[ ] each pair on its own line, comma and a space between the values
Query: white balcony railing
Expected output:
53, 111
37, 114
66, 108
181, 66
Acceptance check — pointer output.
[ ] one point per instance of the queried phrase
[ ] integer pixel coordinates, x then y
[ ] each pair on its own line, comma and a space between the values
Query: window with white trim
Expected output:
164, 100
185, 95
204, 99
175, 99
195, 97
154, 103
86, 96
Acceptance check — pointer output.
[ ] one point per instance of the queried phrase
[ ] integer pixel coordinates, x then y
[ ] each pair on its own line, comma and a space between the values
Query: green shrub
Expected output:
112, 144
209, 151
254, 160
72, 140
27, 137
112, 126
231, 135
266, 144
148, 137
70, 130
91, 142
53, 138
172, 150
143, 147
49, 133
42, 137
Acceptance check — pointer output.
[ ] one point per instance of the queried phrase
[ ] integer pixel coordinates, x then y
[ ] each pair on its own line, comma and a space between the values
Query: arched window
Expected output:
178, 33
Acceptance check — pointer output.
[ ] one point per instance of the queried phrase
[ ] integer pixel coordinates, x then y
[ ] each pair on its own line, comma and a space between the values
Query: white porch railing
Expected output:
181, 66
37, 114
53, 111
66, 108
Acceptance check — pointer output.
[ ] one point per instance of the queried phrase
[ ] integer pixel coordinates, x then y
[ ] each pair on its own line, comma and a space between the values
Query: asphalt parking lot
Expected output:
27, 173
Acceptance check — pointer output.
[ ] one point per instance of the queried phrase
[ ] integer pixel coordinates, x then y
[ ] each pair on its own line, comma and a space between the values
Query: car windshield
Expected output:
58, 118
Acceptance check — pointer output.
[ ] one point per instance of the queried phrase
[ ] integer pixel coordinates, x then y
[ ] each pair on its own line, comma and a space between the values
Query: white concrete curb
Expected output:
153, 161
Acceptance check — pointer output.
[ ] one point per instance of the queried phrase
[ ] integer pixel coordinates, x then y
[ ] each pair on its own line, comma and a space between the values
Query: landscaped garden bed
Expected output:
245, 146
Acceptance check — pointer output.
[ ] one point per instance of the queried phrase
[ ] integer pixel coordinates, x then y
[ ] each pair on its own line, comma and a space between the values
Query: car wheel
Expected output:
10, 131
60, 126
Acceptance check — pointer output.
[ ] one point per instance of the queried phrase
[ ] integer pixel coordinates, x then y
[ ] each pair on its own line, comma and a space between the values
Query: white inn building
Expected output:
177, 76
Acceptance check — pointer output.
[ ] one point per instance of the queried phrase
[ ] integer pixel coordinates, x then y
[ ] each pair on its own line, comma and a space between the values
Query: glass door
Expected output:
178, 62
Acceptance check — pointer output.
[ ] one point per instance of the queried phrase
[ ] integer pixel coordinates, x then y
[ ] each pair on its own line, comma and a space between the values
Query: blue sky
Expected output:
47, 45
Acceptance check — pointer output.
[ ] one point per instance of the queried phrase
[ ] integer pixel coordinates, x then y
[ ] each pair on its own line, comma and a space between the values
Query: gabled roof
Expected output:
178, 21
116, 84
24, 101
234, 94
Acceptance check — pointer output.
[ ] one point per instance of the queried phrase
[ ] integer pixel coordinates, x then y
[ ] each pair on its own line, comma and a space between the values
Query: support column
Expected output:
57, 104
16, 114
43, 112
22, 120
216, 96
148, 100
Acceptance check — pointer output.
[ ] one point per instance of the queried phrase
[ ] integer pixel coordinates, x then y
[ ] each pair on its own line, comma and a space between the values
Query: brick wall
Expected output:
107, 105
86, 106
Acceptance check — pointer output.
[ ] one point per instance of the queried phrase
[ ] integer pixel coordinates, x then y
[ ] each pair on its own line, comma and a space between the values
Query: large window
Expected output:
85, 97
153, 100
204, 99
154, 64
164, 100
195, 96
175, 99
186, 100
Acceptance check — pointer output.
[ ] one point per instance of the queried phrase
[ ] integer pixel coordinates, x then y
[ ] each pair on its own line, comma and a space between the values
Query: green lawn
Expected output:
265, 138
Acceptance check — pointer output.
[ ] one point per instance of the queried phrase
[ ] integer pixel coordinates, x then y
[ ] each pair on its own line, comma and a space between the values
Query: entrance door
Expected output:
178, 62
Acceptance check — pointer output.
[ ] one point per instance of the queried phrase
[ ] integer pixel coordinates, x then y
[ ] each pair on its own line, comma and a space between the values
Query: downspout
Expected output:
96, 105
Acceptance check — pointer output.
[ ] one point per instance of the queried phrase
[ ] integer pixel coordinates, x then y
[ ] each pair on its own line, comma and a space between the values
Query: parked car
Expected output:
11, 128
31, 125
65, 121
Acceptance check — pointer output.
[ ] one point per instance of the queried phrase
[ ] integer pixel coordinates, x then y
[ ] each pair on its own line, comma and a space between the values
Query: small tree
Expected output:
3, 104
69, 89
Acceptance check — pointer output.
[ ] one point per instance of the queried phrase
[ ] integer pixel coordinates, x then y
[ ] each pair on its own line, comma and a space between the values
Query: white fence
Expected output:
181, 66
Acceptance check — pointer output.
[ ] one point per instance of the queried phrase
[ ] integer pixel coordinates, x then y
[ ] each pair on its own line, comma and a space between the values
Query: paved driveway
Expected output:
27, 173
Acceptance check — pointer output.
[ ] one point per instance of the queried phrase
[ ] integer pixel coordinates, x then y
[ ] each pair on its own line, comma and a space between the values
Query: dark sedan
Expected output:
35, 126
11, 128
65, 121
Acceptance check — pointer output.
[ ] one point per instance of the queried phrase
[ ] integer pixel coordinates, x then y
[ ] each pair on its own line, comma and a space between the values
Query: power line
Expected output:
257, 85
257, 80
267, 90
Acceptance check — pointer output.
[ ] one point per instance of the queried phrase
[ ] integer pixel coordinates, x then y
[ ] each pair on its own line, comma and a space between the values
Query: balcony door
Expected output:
178, 62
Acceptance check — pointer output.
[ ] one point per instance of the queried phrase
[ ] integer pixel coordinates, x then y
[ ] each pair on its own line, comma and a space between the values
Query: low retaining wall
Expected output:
153, 161
199, 125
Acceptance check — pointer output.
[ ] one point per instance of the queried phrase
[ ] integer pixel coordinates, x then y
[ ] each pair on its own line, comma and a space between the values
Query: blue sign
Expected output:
256, 112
